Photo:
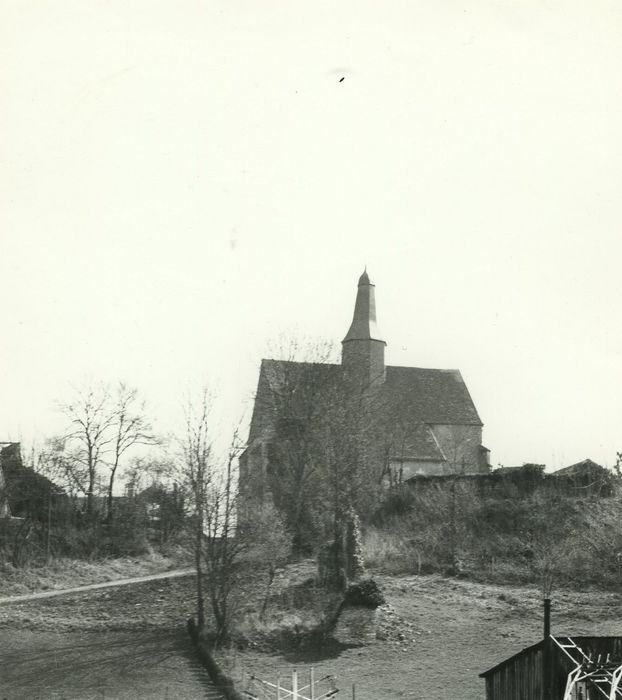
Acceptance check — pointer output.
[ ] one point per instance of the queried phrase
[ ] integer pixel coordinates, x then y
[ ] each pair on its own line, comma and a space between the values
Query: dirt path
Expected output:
95, 586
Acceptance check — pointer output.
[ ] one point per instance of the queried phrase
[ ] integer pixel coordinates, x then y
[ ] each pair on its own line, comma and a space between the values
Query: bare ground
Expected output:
431, 640
436, 635
122, 643
92, 666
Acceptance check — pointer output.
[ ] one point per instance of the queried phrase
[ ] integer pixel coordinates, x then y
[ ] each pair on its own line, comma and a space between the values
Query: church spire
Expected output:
363, 347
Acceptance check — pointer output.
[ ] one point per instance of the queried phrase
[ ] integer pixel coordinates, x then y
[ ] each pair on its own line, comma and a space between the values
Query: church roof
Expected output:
406, 403
417, 396
431, 395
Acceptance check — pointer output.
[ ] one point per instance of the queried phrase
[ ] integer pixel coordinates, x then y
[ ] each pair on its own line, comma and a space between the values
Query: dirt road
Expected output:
95, 586
92, 666
115, 641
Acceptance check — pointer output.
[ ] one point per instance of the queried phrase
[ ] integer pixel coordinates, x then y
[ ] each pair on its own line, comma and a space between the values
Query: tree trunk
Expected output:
197, 559
109, 502
264, 605
89, 496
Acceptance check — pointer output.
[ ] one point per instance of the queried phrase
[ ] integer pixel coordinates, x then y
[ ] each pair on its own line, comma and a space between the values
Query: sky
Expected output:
183, 184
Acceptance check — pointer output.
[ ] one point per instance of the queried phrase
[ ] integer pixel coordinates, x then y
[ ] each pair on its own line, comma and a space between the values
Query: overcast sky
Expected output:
184, 181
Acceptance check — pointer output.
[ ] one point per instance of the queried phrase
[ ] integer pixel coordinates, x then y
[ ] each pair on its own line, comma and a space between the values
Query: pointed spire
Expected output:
363, 347
363, 326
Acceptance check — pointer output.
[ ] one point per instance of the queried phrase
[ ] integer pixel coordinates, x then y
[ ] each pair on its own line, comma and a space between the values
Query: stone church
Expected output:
428, 422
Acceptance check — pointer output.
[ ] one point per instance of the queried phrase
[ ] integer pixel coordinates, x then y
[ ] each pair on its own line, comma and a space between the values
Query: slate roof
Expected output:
418, 396
273, 374
431, 395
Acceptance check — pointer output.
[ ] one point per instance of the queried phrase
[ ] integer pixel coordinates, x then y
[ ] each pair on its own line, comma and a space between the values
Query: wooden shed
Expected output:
560, 668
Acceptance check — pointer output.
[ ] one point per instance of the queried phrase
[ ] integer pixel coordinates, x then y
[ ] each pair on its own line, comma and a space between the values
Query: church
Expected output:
425, 421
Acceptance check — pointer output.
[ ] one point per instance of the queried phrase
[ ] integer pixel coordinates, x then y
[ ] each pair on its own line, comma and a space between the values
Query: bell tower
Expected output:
362, 354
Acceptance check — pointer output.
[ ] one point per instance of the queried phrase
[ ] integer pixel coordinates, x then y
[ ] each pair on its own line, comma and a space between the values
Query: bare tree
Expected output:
222, 546
224, 539
131, 428
317, 429
196, 468
103, 426
322, 456
89, 437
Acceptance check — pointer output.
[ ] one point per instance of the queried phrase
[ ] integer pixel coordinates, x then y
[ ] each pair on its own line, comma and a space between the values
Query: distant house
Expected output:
26, 492
586, 476
164, 510
425, 420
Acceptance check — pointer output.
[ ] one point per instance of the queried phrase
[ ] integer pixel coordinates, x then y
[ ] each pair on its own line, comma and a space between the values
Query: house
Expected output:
26, 493
423, 421
164, 510
559, 668
585, 477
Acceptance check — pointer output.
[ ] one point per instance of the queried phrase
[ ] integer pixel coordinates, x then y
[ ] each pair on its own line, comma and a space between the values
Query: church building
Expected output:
427, 422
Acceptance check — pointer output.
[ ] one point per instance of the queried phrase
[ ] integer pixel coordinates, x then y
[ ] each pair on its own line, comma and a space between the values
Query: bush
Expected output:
366, 593
504, 534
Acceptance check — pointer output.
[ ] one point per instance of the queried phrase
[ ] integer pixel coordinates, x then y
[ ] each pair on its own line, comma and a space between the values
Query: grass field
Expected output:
437, 635
431, 640
67, 573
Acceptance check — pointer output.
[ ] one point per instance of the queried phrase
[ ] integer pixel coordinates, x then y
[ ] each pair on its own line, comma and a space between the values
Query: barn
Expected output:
559, 668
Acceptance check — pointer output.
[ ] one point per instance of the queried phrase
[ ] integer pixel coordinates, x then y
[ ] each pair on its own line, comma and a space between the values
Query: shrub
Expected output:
366, 593
500, 532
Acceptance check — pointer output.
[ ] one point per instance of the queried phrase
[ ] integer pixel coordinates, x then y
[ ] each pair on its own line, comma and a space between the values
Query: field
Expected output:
122, 643
63, 572
431, 640
87, 666
436, 635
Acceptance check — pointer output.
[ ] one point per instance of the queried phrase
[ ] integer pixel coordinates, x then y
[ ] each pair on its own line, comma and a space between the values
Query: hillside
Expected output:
522, 528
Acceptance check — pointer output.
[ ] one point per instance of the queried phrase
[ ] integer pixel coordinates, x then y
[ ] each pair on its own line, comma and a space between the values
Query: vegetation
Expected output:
103, 425
522, 527
222, 533
366, 593
512, 533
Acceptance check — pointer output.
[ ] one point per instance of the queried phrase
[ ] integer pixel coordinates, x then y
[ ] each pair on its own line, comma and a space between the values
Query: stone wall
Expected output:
461, 445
